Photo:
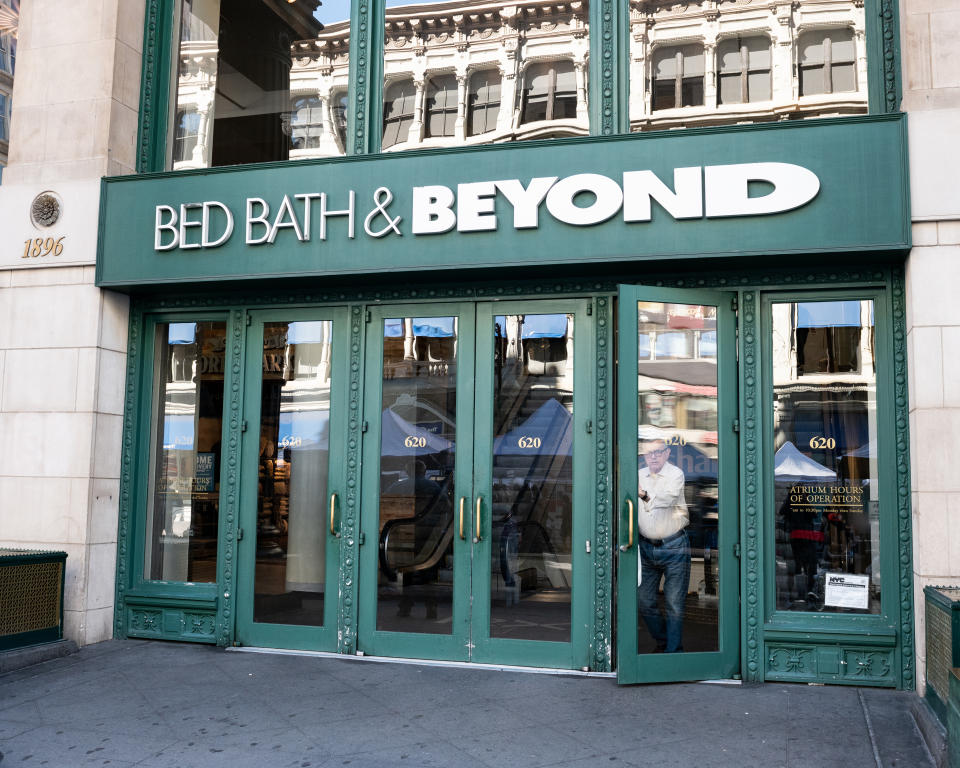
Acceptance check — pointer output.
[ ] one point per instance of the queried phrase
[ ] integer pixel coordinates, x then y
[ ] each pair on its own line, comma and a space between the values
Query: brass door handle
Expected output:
463, 500
333, 512
629, 544
476, 532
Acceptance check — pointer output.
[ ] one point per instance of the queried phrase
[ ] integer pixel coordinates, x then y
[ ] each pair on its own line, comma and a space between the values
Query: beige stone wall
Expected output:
62, 340
931, 73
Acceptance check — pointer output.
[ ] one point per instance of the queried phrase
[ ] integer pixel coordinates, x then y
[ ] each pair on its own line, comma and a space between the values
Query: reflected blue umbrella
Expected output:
547, 432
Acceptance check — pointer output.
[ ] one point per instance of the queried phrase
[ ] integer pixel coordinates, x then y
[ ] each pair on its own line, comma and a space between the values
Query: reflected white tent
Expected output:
789, 465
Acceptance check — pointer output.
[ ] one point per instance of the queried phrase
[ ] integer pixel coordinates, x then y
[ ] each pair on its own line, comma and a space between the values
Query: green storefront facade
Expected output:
409, 404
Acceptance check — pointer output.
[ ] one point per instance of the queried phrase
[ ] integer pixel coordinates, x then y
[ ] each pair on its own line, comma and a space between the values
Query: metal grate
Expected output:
939, 649
30, 597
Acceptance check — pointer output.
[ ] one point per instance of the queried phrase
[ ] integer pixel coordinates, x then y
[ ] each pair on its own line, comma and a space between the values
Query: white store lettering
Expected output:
579, 200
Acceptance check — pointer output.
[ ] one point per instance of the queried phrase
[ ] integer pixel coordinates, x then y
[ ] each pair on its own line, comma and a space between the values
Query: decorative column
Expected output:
460, 126
580, 70
416, 128
710, 74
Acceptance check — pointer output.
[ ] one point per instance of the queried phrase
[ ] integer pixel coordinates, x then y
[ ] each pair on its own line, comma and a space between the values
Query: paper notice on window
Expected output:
847, 590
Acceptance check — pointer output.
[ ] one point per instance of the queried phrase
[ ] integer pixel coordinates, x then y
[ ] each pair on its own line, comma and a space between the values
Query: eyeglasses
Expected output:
657, 452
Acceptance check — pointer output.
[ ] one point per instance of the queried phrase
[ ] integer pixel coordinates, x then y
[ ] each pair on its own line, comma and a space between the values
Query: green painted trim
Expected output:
366, 72
229, 499
349, 541
33, 637
904, 538
157, 62
608, 67
127, 513
885, 637
752, 523
604, 548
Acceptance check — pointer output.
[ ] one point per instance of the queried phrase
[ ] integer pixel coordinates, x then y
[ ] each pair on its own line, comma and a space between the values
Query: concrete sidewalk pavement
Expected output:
163, 705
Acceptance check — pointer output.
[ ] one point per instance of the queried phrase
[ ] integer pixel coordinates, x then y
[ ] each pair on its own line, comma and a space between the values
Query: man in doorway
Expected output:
664, 549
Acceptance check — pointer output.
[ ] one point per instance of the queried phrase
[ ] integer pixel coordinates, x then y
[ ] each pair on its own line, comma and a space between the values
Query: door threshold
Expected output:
423, 662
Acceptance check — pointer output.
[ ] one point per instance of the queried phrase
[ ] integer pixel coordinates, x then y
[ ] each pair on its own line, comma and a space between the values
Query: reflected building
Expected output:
710, 62
9, 21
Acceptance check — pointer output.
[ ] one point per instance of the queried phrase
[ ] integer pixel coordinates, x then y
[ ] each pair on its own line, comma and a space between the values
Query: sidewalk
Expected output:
154, 704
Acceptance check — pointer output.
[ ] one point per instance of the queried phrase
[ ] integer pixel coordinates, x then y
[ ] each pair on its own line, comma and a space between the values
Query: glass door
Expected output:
415, 559
677, 593
292, 478
532, 491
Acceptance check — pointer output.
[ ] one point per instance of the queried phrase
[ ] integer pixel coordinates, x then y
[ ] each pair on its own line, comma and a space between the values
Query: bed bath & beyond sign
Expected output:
580, 200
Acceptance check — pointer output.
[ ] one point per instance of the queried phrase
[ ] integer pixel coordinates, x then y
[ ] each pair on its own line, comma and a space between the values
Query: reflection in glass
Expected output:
293, 493
181, 535
678, 492
417, 457
825, 464
260, 80
468, 72
690, 66
532, 506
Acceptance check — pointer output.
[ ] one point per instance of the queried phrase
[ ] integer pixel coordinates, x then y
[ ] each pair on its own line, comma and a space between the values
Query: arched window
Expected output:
678, 76
441, 106
827, 61
484, 100
743, 70
398, 112
306, 122
186, 135
550, 91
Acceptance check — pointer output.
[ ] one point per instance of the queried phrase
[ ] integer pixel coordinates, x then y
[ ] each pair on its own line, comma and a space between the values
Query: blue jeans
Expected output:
672, 562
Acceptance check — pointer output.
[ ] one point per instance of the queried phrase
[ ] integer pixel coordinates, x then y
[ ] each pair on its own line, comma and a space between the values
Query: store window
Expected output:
503, 73
689, 66
827, 62
441, 106
398, 108
677, 77
484, 101
185, 452
238, 64
825, 462
743, 70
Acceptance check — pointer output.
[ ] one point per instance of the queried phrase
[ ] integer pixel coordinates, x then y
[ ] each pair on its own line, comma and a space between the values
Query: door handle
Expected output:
333, 512
476, 531
629, 544
463, 500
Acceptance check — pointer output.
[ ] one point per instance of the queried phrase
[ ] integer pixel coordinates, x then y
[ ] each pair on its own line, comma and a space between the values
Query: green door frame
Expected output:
632, 666
574, 654
248, 631
455, 646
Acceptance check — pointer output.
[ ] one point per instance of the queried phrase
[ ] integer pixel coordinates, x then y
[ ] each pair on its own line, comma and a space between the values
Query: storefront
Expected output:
624, 401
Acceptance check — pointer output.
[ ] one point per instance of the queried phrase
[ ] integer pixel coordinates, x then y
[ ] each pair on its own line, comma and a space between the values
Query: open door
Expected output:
678, 575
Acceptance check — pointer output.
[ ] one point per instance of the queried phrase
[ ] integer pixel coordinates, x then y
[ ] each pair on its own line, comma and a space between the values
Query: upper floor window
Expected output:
743, 66
484, 101
441, 106
306, 123
186, 136
743, 70
238, 63
678, 76
827, 61
550, 92
8, 52
398, 108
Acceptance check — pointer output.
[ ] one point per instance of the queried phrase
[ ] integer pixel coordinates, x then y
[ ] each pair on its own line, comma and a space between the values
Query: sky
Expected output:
338, 10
